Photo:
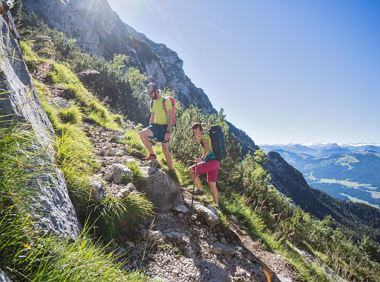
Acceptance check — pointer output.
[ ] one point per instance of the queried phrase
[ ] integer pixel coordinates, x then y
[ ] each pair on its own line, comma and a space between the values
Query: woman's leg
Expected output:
215, 193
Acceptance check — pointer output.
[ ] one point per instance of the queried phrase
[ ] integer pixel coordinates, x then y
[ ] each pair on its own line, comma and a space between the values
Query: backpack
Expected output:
217, 141
173, 111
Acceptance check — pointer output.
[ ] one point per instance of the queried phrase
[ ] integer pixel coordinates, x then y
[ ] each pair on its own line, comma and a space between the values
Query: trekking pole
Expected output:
192, 197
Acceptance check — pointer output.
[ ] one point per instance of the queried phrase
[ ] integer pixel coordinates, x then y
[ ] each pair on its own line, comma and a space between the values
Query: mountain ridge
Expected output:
98, 29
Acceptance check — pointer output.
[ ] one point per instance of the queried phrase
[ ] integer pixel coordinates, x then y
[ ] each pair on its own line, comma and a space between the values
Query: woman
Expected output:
205, 164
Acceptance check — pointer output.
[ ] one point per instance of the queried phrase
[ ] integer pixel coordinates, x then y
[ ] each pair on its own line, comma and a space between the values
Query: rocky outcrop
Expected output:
51, 205
161, 189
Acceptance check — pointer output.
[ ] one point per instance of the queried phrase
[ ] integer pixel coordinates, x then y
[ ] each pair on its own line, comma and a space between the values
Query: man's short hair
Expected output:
151, 87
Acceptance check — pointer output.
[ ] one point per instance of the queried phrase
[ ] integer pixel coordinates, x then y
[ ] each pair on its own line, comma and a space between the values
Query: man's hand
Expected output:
167, 137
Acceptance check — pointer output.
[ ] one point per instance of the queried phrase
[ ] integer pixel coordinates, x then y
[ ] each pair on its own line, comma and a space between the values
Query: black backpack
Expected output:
217, 141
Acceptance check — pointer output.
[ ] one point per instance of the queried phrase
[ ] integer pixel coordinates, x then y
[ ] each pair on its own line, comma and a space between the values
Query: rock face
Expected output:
51, 206
4, 277
99, 30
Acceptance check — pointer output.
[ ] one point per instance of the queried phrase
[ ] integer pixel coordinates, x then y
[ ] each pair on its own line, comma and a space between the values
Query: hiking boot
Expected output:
198, 192
150, 157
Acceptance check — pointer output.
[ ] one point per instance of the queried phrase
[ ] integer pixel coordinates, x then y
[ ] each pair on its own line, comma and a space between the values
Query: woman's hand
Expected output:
198, 160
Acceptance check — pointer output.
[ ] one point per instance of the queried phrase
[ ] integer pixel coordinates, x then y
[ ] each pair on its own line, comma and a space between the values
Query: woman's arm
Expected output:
206, 148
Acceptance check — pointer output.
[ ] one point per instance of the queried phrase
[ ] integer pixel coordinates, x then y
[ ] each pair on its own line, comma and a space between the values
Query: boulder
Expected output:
120, 172
181, 208
161, 189
221, 249
98, 190
216, 273
129, 188
209, 215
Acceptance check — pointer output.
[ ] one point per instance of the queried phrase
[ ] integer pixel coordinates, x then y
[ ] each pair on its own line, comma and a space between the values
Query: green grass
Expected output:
31, 59
137, 176
77, 160
26, 254
93, 109
134, 145
236, 205
119, 216
71, 115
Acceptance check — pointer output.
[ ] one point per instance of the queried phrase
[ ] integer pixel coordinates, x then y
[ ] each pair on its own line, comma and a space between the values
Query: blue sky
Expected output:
285, 71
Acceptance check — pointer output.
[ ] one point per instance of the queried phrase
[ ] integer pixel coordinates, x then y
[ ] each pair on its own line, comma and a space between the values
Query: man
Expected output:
207, 163
160, 125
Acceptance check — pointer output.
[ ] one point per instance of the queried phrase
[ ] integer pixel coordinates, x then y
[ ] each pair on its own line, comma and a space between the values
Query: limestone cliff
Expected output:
51, 205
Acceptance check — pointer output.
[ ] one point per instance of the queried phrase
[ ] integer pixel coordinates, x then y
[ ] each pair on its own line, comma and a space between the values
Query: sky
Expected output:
284, 71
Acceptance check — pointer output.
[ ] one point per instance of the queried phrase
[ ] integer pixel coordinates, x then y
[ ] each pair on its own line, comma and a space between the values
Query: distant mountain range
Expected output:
344, 171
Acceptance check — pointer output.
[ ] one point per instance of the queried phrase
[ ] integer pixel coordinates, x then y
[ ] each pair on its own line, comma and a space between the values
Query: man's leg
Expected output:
145, 134
215, 193
195, 178
168, 155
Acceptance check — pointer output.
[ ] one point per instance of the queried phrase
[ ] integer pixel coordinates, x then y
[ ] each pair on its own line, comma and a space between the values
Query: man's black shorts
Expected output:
158, 132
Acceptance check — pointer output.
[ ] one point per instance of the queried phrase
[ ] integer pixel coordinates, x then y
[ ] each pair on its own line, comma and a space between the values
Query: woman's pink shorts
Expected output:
211, 168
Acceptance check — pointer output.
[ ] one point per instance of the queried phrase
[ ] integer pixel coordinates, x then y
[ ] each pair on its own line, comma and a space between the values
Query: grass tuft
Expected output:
135, 146
71, 115
116, 216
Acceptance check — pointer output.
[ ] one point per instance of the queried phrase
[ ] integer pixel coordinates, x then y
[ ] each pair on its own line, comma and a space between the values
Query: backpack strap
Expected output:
164, 99
151, 105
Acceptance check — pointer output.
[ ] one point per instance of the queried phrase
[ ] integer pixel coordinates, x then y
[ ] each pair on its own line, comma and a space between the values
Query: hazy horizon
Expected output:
284, 71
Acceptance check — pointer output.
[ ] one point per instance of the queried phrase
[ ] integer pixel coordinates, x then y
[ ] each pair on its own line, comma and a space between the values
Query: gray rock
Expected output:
120, 172
181, 208
98, 190
155, 235
130, 187
161, 189
221, 249
209, 214
120, 153
4, 277
217, 274
108, 175
60, 102
50, 206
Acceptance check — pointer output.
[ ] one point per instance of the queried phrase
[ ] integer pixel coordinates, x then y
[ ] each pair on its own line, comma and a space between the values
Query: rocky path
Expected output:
181, 244
178, 244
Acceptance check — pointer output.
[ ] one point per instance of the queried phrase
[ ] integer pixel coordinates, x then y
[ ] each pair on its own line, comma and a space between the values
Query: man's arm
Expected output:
151, 120
169, 114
